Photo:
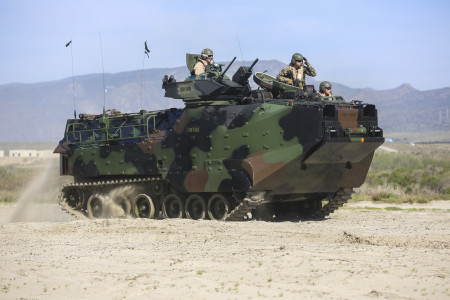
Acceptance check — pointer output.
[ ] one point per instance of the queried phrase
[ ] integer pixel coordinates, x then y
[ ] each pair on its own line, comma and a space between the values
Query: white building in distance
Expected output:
30, 153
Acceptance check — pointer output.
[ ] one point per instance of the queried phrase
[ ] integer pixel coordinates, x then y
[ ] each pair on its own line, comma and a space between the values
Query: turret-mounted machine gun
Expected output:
282, 90
211, 87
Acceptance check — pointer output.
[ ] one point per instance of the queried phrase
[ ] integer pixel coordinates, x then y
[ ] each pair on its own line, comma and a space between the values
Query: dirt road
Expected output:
358, 253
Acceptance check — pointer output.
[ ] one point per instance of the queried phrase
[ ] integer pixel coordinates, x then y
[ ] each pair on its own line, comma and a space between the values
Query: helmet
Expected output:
296, 57
323, 85
206, 52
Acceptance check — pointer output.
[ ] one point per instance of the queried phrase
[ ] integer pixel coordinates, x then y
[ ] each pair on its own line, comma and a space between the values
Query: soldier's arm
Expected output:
309, 70
285, 76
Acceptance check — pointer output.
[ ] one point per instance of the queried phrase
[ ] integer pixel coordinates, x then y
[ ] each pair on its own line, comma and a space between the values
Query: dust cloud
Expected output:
39, 199
36, 202
117, 203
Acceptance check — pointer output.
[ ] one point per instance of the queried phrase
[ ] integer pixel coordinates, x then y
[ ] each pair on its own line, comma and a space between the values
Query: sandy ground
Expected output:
362, 252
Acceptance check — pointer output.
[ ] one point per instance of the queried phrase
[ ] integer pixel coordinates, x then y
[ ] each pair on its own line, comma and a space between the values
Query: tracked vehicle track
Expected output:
239, 213
246, 206
81, 213
251, 202
77, 214
339, 199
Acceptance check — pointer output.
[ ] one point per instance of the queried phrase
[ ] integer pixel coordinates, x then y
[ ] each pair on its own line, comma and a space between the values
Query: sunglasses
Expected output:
210, 56
328, 88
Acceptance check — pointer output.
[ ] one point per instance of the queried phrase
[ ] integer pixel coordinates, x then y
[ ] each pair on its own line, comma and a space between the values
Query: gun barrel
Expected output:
223, 73
253, 64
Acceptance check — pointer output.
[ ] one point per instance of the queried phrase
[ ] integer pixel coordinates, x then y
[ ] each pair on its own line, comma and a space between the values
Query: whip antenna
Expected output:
103, 73
239, 43
73, 80
146, 52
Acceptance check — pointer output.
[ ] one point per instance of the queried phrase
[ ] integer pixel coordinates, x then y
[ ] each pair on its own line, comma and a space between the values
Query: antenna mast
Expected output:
146, 52
103, 73
73, 81
239, 43
142, 75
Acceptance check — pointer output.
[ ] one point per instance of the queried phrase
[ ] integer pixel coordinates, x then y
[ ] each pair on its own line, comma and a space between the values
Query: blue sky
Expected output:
378, 44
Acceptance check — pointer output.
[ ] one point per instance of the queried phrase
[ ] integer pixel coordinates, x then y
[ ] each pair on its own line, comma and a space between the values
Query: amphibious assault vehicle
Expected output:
231, 153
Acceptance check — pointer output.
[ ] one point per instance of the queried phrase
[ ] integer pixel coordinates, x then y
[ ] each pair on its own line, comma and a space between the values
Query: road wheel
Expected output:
218, 207
74, 197
143, 207
95, 206
172, 207
195, 207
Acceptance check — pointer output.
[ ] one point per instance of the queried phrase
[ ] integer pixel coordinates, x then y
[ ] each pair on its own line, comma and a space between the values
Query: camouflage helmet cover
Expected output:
296, 57
323, 85
206, 52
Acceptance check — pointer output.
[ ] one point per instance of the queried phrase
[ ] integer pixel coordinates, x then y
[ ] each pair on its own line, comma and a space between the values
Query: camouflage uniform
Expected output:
289, 72
200, 67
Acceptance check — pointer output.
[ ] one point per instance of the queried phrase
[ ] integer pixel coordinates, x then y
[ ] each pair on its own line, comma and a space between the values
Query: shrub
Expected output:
7, 196
385, 197
402, 177
429, 182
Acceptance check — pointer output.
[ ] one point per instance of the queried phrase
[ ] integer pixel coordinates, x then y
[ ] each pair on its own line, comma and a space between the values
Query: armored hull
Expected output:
231, 151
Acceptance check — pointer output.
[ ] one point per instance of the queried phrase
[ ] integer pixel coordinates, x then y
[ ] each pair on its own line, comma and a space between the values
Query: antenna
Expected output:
239, 43
142, 75
103, 73
146, 52
73, 80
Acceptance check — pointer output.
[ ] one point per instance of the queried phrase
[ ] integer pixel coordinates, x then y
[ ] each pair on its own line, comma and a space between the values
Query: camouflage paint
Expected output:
229, 139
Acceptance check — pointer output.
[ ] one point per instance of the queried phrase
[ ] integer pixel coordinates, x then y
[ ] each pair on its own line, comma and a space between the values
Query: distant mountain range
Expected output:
38, 112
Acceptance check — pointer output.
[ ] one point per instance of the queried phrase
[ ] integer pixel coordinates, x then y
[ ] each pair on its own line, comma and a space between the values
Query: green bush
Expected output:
13, 178
429, 182
422, 200
8, 196
418, 175
385, 197
402, 177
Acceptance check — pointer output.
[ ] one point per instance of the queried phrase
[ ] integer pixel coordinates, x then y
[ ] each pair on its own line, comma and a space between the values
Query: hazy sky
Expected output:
379, 44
